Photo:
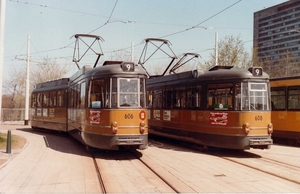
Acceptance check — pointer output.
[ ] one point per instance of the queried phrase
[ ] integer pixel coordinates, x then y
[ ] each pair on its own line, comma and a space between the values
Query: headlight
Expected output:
142, 127
114, 127
246, 127
270, 128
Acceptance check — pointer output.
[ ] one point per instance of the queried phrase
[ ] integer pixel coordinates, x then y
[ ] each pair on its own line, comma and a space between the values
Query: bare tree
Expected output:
121, 55
284, 65
15, 87
231, 52
46, 71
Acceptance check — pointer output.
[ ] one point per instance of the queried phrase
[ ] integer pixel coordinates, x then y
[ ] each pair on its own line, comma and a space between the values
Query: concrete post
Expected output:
8, 142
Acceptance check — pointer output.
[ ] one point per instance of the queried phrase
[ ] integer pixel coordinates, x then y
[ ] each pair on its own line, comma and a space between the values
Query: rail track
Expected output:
274, 167
281, 162
102, 186
162, 168
127, 172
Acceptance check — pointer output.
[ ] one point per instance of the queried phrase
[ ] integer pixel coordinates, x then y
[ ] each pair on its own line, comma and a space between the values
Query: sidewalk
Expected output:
60, 166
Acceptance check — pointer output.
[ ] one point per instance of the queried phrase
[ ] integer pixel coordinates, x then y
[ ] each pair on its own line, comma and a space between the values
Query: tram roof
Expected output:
214, 75
53, 84
110, 68
285, 81
285, 78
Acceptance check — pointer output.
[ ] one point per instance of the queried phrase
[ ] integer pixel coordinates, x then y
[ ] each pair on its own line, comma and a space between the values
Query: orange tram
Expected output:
103, 107
285, 96
223, 107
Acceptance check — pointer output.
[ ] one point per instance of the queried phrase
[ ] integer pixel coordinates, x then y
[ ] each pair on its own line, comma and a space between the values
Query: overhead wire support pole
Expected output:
26, 119
2, 24
216, 50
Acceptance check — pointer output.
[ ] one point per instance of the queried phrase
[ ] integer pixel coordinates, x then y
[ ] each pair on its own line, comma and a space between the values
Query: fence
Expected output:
12, 115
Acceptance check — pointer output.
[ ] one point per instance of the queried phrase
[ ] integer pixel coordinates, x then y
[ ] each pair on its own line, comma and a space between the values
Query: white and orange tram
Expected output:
223, 107
285, 95
103, 107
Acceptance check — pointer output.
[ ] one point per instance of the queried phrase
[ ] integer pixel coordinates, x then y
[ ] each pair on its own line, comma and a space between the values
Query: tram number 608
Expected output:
258, 118
128, 116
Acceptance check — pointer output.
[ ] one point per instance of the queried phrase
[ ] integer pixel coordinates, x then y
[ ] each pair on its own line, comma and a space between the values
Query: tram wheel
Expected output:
89, 149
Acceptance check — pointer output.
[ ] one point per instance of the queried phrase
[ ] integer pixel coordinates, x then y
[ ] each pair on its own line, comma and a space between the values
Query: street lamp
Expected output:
2, 22
216, 42
26, 119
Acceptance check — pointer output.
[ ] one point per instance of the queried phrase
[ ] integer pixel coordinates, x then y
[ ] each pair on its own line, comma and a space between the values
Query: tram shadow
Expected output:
58, 141
181, 146
231, 153
117, 155
64, 142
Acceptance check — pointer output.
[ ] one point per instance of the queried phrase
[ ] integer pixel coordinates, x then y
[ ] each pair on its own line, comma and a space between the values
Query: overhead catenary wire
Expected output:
56, 8
193, 27
109, 20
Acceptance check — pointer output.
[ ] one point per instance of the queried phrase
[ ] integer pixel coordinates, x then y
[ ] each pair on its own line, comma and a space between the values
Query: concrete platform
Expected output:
60, 166
56, 163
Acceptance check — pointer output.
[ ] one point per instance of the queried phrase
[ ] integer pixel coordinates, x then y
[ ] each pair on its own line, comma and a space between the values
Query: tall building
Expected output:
277, 39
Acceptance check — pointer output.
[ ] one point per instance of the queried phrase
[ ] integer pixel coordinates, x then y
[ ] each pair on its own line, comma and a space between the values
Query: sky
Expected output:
189, 25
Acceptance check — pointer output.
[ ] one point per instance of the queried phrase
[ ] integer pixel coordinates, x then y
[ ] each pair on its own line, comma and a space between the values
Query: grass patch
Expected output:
17, 142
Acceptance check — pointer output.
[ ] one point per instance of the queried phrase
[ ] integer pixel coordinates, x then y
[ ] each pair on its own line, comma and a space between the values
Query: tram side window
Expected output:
61, 98
45, 99
157, 99
149, 99
39, 100
194, 97
294, 98
97, 94
220, 96
74, 97
278, 98
52, 102
82, 95
179, 97
33, 100
71, 98
168, 98
77, 96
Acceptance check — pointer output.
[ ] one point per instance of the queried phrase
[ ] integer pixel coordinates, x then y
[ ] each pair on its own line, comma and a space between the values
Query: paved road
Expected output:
64, 166
204, 172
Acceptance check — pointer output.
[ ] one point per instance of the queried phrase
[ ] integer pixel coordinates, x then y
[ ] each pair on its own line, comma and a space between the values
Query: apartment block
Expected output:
277, 39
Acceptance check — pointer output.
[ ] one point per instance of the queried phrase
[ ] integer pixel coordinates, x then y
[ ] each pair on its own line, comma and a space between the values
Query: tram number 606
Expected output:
128, 116
258, 118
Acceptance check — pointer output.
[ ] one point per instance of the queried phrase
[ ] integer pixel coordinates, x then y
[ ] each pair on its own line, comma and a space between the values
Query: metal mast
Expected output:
2, 22
27, 83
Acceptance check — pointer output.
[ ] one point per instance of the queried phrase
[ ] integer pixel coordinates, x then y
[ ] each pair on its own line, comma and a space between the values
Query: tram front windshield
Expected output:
128, 92
117, 93
252, 96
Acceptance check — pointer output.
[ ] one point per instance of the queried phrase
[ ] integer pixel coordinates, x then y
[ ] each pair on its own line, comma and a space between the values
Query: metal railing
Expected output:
12, 114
